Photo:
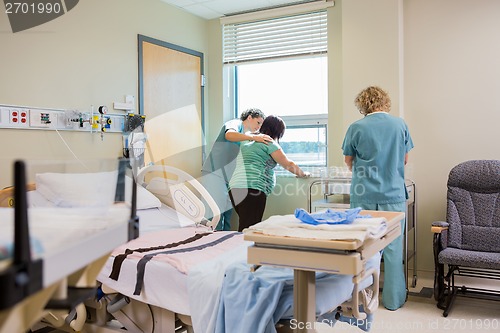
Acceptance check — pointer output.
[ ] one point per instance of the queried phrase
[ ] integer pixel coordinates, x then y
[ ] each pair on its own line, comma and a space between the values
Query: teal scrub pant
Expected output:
216, 185
394, 289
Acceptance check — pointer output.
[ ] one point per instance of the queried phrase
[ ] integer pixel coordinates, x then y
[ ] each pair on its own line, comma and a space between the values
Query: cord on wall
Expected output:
70, 150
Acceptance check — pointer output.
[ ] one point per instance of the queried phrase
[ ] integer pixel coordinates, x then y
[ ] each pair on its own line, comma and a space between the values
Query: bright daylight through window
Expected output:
296, 90
279, 65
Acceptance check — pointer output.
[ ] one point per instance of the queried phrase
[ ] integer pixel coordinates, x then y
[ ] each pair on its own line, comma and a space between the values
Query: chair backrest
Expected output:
473, 208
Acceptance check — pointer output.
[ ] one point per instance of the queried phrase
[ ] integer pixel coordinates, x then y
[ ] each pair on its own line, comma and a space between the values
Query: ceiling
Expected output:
211, 9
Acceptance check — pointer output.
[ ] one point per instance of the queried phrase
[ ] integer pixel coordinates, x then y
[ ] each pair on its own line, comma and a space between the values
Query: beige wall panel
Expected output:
172, 105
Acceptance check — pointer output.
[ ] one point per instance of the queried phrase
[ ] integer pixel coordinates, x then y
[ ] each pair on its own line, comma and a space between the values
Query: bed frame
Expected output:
25, 297
113, 312
137, 316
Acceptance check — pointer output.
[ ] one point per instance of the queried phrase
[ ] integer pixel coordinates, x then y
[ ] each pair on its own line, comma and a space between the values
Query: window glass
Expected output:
295, 89
287, 87
306, 146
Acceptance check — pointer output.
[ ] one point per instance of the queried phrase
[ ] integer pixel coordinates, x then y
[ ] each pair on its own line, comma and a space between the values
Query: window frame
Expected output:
230, 81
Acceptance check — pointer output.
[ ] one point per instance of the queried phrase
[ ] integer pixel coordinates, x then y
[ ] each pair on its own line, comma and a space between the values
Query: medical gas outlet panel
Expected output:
52, 119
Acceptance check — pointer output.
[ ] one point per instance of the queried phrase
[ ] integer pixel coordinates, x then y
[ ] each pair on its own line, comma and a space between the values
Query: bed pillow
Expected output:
89, 190
145, 199
77, 189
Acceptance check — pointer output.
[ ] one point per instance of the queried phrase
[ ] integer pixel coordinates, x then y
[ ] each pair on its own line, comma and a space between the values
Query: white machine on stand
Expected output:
335, 190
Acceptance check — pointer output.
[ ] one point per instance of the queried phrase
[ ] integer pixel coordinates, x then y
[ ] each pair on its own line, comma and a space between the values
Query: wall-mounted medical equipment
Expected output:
26, 117
134, 122
134, 138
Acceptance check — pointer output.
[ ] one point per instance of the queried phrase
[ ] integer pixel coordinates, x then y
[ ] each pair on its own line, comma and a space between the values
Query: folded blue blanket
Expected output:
253, 302
329, 216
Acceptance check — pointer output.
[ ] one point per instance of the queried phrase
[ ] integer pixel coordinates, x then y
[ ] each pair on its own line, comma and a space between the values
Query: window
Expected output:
305, 145
296, 90
280, 66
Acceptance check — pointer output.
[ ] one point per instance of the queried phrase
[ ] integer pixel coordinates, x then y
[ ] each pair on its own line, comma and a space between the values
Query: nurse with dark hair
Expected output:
220, 163
253, 178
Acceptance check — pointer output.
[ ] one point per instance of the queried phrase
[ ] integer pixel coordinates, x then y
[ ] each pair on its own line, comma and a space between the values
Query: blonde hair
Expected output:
372, 99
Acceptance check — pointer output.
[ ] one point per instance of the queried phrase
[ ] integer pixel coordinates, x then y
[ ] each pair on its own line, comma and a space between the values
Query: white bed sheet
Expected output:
166, 286
64, 235
58, 228
164, 217
150, 220
198, 293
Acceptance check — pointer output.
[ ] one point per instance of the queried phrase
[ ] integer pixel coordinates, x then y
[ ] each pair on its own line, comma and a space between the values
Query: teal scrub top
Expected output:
378, 143
255, 167
224, 152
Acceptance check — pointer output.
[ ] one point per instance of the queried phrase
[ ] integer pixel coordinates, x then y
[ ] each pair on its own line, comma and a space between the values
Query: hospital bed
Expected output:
50, 256
196, 292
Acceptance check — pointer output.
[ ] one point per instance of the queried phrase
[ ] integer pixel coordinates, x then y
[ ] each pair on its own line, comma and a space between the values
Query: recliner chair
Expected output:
468, 242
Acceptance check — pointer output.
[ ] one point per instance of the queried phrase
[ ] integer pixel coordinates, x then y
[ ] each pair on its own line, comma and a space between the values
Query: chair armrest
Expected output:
438, 226
7, 195
439, 243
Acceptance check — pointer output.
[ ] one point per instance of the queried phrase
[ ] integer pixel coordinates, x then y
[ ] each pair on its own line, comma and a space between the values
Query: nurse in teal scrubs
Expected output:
376, 150
219, 165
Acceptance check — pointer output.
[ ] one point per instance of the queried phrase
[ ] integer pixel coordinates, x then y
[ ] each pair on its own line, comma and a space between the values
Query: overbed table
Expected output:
306, 256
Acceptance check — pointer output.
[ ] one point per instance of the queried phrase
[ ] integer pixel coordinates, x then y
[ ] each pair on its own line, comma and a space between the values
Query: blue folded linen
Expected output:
329, 216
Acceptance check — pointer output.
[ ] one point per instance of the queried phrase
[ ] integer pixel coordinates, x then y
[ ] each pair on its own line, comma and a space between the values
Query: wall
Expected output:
440, 61
86, 57
452, 71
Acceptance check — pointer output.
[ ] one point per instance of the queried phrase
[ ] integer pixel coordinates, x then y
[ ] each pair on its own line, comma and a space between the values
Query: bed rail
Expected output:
24, 276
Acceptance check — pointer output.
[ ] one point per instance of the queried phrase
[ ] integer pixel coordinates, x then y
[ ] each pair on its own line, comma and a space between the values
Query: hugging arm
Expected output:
234, 136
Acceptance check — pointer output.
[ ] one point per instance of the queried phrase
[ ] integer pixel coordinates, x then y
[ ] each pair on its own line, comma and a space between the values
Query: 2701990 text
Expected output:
32, 8
470, 324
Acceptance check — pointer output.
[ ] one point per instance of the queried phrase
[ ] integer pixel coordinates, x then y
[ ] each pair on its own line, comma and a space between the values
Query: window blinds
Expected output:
303, 34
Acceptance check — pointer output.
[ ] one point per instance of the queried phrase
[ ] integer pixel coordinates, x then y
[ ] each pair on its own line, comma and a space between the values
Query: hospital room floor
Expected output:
420, 315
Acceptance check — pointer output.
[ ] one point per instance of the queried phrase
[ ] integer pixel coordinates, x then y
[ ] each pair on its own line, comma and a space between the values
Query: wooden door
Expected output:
171, 98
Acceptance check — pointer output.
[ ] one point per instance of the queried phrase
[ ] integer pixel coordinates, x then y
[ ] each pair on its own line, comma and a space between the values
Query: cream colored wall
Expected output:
215, 118
452, 71
439, 60
86, 57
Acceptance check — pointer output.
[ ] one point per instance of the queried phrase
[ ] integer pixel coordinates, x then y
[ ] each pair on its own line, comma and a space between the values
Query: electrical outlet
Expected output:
14, 118
18, 117
23, 118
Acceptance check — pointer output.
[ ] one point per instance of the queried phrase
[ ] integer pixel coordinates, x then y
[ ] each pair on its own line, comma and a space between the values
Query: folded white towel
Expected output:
290, 226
